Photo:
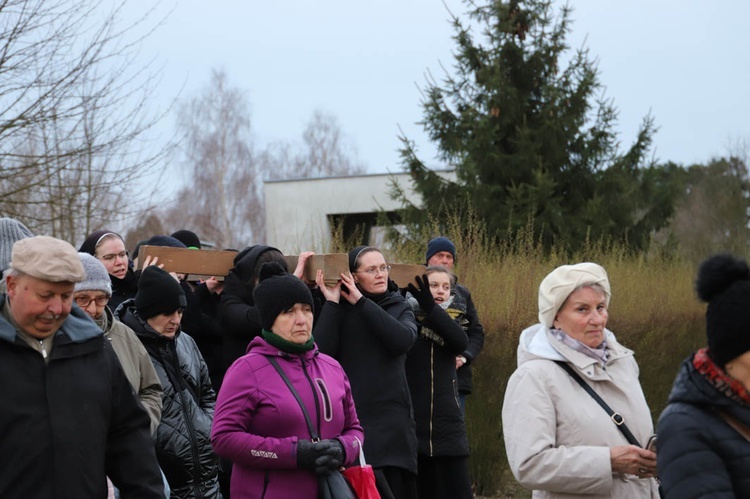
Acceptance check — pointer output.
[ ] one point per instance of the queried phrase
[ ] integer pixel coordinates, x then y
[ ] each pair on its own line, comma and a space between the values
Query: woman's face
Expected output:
166, 324
583, 316
440, 286
294, 324
372, 273
111, 252
739, 369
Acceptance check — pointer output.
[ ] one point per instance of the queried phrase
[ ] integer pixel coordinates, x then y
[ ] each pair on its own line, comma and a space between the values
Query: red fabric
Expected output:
719, 378
362, 480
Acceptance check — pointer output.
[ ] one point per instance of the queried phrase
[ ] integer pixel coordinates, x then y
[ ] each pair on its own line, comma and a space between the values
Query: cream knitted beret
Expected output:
557, 286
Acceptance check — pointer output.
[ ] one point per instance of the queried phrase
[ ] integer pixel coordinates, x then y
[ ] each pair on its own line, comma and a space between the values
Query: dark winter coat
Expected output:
183, 436
72, 422
371, 341
123, 289
475, 332
240, 320
431, 371
258, 421
201, 321
699, 454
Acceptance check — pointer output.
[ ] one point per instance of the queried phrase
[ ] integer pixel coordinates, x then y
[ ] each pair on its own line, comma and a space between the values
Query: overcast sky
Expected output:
685, 61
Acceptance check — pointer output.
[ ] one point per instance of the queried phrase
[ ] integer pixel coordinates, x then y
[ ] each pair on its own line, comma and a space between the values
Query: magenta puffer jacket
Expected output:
258, 422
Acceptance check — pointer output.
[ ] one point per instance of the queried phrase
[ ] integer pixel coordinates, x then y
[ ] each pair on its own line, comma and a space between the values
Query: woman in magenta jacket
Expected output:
259, 425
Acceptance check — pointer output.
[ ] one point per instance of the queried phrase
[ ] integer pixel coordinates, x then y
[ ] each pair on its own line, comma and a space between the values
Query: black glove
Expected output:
330, 456
306, 455
423, 294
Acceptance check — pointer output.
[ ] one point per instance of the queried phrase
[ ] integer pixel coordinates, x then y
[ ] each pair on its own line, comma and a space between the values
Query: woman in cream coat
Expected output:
560, 442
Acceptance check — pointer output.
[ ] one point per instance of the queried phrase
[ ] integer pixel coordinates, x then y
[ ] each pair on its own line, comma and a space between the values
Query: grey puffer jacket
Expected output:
183, 444
699, 454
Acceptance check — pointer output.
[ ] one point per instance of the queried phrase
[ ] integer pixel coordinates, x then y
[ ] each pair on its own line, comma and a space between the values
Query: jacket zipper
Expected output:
315, 395
266, 480
191, 429
432, 390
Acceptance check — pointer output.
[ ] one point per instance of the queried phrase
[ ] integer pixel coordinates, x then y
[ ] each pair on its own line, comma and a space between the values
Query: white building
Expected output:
302, 214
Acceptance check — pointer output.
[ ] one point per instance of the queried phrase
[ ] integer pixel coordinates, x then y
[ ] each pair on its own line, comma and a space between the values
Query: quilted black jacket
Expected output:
183, 444
699, 454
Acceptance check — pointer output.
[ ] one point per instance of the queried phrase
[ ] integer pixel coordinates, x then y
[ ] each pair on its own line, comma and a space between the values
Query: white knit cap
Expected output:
11, 230
557, 286
97, 277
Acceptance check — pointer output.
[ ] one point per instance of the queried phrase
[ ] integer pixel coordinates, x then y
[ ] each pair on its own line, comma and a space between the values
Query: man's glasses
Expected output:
84, 301
383, 269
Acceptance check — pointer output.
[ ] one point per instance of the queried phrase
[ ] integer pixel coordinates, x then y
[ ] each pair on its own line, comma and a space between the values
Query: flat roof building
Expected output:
303, 214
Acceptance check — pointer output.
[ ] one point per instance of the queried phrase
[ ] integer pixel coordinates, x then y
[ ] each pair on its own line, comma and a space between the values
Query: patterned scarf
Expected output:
730, 387
600, 353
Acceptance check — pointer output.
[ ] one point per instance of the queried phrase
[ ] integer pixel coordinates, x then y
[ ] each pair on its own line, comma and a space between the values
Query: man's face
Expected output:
442, 258
39, 307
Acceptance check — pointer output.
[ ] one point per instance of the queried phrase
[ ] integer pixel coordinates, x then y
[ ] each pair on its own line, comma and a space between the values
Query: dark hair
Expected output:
361, 253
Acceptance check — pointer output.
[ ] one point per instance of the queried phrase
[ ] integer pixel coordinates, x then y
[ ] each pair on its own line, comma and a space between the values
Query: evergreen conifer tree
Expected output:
524, 122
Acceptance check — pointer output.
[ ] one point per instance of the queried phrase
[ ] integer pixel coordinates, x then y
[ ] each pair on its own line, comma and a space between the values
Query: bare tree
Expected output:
326, 151
712, 214
223, 197
73, 115
222, 200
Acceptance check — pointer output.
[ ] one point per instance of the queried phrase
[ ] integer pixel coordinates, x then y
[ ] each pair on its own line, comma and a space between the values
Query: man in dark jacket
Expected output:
442, 251
69, 416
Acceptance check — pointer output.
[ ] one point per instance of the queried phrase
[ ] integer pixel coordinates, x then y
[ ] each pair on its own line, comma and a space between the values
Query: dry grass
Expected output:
653, 311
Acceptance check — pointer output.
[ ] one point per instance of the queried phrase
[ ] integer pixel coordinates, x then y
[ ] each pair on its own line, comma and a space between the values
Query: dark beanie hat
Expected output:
92, 241
437, 245
158, 293
278, 290
188, 238
724, 282
168, 241
138, 247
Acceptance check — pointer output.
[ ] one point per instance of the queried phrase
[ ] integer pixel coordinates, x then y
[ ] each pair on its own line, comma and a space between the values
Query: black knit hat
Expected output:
188, 238
437, 245
158, 293
724, 282
277, 291
167, 241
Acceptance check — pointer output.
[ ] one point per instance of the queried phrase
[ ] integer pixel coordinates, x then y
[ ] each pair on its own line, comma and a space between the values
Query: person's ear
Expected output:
10, 285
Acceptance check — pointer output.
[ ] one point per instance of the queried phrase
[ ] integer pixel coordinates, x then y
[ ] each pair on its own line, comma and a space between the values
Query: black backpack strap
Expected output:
310, 427
616, 417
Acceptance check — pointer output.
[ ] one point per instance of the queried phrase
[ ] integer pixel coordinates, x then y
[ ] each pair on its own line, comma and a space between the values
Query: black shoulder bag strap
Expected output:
313, 434
616, 417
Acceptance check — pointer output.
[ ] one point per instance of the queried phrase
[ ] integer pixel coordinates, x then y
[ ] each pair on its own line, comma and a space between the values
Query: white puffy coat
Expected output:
557, 437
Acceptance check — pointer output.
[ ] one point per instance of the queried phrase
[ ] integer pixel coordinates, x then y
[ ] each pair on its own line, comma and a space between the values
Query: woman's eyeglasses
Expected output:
123, 255
383, 269
84, 301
